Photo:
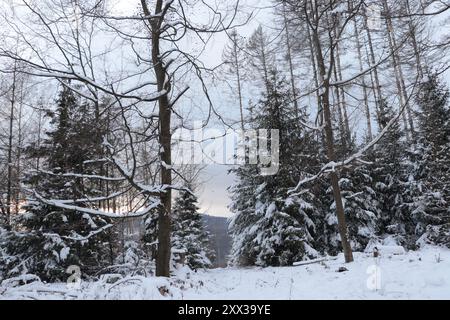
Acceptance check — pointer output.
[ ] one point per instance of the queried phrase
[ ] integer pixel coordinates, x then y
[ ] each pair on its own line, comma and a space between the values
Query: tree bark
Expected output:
165, 139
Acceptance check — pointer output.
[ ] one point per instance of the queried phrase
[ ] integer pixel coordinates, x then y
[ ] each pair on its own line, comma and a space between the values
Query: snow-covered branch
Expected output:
333, 166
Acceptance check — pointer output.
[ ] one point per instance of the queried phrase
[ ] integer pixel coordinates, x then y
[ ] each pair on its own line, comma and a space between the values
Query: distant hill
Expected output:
221, 244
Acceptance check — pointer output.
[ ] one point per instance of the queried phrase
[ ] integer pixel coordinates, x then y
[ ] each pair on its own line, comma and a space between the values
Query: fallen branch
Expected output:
305, 263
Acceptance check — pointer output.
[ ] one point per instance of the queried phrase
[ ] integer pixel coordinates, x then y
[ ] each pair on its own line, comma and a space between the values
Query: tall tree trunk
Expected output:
377, 88
289, 58
329, 139
39, 133
165, 139
338, 68
10, 148
265, 68
413, 35
19, 151
339, 110
238, 79
398, 68
363, 80
319, 118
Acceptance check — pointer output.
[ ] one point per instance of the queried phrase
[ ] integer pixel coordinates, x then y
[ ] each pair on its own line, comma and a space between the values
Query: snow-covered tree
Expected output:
48, 239
189, 236
359, 198
389, 173
429, 175
272, 227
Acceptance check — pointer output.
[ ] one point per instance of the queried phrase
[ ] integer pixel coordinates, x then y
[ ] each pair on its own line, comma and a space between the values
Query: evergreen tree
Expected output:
132, 258
150, 237
389, 170
272, 227
360, 201
429, 180
189, 235
49, 239
361, 206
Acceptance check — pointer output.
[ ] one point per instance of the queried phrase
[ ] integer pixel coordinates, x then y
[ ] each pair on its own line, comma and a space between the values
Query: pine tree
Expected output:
361, 206
359, 198
48, 239
271, 226
132, 258
389, 171
189, 235
429, 181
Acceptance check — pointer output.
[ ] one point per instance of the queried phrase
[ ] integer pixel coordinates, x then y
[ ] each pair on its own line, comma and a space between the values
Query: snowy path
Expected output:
414, 275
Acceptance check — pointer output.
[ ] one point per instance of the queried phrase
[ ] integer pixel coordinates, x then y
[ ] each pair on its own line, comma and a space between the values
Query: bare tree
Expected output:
234, 59
260, 54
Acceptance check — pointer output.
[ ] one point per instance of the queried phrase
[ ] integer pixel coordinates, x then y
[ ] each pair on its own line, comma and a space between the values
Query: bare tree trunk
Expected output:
238, 78
398, 69
329, 139
38, 142
319, 118
363, 81
19, 151
10, 147
339, 109
338, 68
413, 34
289, 58
377, 88
165, 139
265, 68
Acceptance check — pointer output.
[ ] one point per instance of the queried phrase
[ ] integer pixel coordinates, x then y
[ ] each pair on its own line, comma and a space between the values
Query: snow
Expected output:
413, 275
64, 253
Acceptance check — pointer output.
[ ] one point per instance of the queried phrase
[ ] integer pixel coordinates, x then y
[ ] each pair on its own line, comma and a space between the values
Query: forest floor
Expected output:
423, 274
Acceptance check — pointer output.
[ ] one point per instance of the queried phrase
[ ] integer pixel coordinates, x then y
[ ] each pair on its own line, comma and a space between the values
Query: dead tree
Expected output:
234, 58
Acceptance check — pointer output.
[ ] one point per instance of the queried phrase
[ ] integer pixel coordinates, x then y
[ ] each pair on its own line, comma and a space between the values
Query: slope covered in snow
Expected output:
412, 275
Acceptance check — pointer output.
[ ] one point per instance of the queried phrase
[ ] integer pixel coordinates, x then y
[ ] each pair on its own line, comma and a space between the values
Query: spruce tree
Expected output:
389, 171
361, 206
429, 183
48, 239
271, 226
359, 198
189, 235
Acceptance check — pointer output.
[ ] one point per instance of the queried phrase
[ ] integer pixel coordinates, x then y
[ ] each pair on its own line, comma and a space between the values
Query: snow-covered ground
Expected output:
413, 275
